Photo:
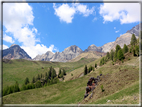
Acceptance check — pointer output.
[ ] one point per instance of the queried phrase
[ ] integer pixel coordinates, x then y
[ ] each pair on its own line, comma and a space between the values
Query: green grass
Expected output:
18, 70
118, 80
128, 91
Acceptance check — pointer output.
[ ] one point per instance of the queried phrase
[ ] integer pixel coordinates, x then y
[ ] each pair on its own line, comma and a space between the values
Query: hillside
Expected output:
121, 81
19, 69
90, 54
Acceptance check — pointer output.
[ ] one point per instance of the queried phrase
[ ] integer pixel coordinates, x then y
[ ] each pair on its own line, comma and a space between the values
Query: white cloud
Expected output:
8, 39
17, 18
5, 47
117, 31
38, 49
125, 12
66, 12
83, 9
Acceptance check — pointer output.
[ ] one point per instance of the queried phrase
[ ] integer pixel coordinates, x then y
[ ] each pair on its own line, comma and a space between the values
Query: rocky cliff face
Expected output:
68, 54
135, 30
15, 52
107, 47
44, 57
123, 39
93, 48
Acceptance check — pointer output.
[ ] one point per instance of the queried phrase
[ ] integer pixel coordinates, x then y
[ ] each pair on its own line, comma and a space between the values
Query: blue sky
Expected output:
42, 27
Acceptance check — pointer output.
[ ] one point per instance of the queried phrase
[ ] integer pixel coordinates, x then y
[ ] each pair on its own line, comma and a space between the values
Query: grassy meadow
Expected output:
120, 81
19, 69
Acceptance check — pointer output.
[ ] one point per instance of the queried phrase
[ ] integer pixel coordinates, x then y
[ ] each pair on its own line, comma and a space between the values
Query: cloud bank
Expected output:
124, 12
18, 19
66, 12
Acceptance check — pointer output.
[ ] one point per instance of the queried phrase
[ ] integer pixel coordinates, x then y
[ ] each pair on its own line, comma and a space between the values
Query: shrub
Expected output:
102, 88
112, 63
38, 84
100, 72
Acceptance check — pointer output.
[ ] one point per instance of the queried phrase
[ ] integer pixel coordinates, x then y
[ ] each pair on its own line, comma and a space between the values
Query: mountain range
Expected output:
69, 53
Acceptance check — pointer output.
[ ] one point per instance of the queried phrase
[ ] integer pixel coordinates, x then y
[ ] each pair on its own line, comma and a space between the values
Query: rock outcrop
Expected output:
135, 30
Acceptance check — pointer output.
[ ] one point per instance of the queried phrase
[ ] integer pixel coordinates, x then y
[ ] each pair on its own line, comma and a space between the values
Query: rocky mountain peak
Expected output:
135, 30
93, 48
15, 52
73, 48
15, 45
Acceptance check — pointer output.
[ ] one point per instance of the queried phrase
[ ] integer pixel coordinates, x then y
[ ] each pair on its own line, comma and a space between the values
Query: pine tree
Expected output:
85, 70
108, 55
27, 81
125, 49
111, 54
120, 55
16, 87
115, 56
24, 87
64, 72
38, 84
133, 40
95, 65
117, 48
33, 80
59, 73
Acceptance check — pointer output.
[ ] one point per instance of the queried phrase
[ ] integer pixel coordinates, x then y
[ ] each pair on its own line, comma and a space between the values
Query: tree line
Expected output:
91, 68
50, 77
119, 52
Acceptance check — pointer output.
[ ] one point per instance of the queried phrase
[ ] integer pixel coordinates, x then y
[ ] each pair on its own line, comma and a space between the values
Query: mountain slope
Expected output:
90, 54
119, 79
135, 30
123, 39
15, 52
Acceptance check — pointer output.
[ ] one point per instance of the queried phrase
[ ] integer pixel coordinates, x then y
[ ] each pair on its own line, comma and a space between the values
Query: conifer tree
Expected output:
125, 48
111, 54
115, 56
108, 55
64, 72
120, 55
117, 48
85, 70
59, 72
133, 40
95, 65
33, 80
27, 81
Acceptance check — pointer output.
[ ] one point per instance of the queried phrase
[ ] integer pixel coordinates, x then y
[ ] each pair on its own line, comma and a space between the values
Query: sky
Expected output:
41, 27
